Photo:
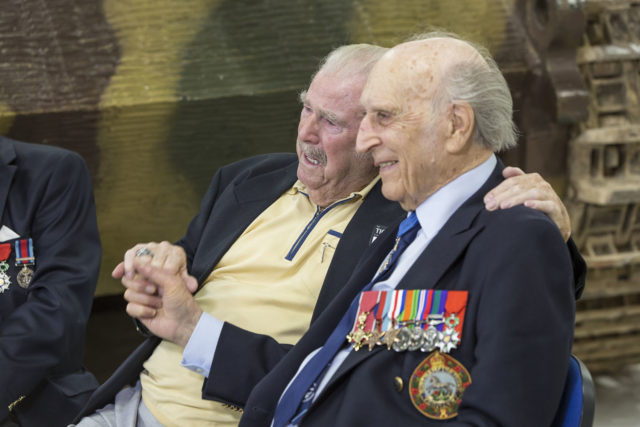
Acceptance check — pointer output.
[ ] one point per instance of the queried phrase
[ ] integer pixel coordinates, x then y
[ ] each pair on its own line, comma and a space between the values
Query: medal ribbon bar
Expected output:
439, 313
24, 252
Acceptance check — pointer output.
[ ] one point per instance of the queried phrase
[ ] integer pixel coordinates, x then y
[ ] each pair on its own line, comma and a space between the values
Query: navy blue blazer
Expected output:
237, 194
46, 195
516, 340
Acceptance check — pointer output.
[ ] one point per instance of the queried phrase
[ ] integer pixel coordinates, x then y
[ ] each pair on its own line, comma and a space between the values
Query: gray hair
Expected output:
483, 87
352, 59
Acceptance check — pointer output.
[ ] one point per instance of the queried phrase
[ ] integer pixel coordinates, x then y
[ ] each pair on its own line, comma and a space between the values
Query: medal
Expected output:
430, 338
25, 257
416, 338
5, 280
418, 319
359, 336
390, 337
437, 384
24, 277
364, 324
401, 340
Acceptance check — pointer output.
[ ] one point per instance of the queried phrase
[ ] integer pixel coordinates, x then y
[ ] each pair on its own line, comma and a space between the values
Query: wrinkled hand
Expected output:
532, 191
170, 313
171, 258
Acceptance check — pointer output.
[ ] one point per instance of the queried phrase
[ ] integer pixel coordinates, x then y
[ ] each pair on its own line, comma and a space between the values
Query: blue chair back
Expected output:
578, 398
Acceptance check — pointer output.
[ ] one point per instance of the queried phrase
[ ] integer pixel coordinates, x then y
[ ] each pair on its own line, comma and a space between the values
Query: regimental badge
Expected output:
25, 257
437, 384
5, 280
377, 231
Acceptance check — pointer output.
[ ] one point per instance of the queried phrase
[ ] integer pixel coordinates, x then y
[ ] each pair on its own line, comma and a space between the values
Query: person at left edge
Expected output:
47, 203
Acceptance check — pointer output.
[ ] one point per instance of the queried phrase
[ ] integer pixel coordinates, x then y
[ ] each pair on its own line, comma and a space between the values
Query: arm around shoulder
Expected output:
579, 268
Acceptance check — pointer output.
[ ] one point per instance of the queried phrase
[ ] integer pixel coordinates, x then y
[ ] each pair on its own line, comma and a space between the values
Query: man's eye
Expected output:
382, 116
306, 109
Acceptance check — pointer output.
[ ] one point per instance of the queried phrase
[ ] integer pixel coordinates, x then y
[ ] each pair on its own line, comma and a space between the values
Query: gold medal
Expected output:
359, 337
389, 337
437, 384
375, 339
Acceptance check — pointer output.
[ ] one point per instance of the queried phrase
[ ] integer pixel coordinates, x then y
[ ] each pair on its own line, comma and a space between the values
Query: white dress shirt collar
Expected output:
434, 212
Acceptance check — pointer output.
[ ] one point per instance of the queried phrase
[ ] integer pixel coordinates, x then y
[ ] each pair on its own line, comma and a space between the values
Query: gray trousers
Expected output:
128, 410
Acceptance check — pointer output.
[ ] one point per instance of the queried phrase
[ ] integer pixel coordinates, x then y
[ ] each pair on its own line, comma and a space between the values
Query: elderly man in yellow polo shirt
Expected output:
275, 237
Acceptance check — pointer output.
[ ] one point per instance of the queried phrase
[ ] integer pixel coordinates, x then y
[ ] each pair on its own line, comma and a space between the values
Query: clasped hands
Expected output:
159, 290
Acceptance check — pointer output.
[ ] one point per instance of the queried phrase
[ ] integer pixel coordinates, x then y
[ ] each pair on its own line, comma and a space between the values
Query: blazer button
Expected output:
398, 384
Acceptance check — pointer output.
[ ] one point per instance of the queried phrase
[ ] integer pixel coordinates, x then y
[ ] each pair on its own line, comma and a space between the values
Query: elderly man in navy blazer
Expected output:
49, 260
468, 319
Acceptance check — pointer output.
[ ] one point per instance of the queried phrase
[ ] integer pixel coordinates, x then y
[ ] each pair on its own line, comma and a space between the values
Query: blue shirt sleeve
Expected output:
199, 351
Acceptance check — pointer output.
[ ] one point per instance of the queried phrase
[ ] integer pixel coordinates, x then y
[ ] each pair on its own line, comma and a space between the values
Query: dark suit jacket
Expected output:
45, 194
516, 339
237, 195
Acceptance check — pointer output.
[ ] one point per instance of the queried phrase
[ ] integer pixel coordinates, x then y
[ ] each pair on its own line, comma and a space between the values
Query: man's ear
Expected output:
460, 121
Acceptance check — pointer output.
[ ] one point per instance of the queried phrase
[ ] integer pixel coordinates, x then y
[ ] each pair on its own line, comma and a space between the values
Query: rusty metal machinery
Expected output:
604, 196
157, 94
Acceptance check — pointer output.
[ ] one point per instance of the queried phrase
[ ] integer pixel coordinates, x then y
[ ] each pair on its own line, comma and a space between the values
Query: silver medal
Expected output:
25, 276
416, 339
401, 343
431, 337
5, 280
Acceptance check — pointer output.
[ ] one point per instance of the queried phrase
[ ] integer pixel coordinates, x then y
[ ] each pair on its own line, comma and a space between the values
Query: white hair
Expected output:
483, 87
352, 59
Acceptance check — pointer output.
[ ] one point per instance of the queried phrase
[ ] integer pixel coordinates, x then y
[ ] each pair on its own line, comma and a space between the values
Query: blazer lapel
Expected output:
238, 208
451, 241
441, 253
264, 187
350, 288
375, 212
7, 171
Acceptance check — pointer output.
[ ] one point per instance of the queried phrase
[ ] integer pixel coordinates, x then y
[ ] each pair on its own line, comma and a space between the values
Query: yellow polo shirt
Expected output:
267, 282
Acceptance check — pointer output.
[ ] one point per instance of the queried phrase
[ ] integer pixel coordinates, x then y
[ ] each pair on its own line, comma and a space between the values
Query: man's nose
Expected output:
308, 130
366, 139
